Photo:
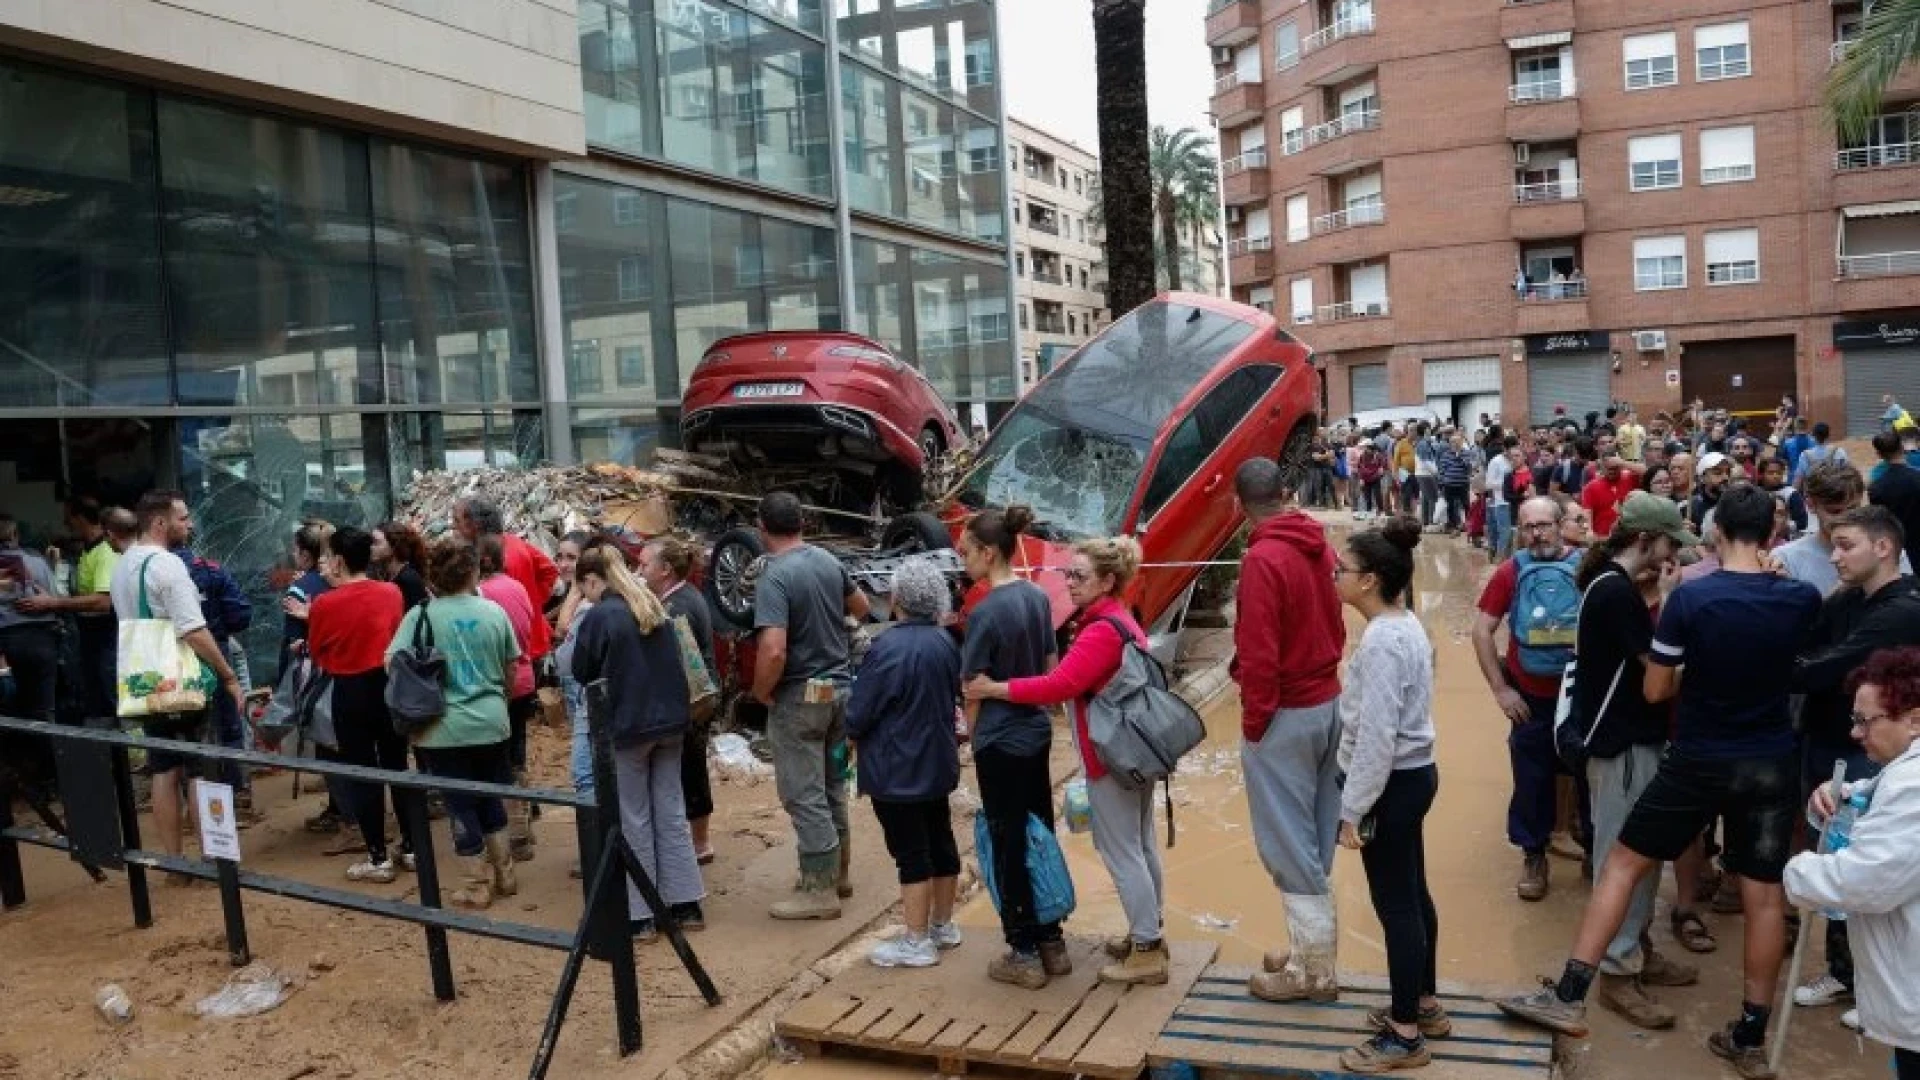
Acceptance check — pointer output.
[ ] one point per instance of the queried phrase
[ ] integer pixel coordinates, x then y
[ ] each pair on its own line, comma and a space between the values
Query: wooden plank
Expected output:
950, 1042
1450, 990
814, 1016
1314, 1063
1296, 1035
922, 1031
993, 1035
1086, 1019
1032, 1035
1488, 1027
859, 1020
1119, 1049
891, 1025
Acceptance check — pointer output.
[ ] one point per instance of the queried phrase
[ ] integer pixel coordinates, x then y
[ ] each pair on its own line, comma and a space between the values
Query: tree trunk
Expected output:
1126, 178
1170, 237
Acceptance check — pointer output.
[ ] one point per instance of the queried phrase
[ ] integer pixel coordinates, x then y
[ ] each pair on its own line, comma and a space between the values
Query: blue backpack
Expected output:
1053, 898
1545, 616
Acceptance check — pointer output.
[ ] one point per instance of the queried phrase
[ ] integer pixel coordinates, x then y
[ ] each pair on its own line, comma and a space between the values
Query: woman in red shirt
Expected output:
1123, 829
348, 628
511, 596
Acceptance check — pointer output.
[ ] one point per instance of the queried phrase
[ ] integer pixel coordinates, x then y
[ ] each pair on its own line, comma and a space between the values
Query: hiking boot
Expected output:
688, 917
945, 935
1146, 965
326, 821
382, 872
1658, 970
1386, 1052
1623, 994
500, 858
1118, 947
1434, 1023
1295, 982
1053, 957
1016, 968
1544, 1007
813, 896
1749, 1061
1532, 885
1825, 990
476, 888
643, 931
908, 950
1275, 961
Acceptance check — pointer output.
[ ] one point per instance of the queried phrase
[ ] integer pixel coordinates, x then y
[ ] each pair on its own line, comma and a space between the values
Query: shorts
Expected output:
1756, 797
181, 727
919, 836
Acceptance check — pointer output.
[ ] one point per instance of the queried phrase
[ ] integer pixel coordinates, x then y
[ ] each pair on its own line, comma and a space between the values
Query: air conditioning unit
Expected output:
1650, 340
1522, 153
1234, 215
1222, 54
1375, 308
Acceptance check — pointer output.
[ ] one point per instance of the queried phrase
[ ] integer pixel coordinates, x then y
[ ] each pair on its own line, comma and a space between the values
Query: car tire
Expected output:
920, 531
930, 446
726, 566
1296, 455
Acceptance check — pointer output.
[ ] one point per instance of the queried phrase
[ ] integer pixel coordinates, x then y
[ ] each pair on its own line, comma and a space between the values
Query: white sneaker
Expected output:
907, 950
407, 861
1850, 1020
368, 870
945, 935
1825, 990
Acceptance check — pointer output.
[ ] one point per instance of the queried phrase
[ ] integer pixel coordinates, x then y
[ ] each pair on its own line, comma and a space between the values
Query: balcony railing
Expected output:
1251, 159
1540, 92
1555, 290
1839, 51
1884, 264
1878, 156
1231, 81
1248, 245
1372, 213
1346, 124
1551, 191
1353, 309
1045, 278
1351, 26
1292, 142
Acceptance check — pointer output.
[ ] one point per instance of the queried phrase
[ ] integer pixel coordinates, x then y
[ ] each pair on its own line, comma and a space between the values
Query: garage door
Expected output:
1368, 383
1873, 373
1749, 375
1581, 382
1477, 375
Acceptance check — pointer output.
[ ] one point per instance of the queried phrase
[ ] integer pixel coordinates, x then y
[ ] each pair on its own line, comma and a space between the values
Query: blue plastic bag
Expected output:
1046, 865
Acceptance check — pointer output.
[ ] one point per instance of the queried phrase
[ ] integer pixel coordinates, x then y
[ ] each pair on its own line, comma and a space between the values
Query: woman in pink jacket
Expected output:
1123, 829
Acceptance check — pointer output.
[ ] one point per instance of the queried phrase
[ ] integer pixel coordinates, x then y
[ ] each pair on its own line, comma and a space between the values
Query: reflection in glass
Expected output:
947, 314
910, 155
628, 436
734, 273
942, 46
612, 254
80, 295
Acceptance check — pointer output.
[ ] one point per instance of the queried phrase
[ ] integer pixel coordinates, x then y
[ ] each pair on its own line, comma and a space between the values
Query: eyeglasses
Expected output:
1342, 568
1862, 720
1078, 576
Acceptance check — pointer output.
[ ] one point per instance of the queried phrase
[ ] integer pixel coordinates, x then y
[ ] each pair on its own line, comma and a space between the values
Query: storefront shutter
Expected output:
1872, 373
1369, 385
1580, 382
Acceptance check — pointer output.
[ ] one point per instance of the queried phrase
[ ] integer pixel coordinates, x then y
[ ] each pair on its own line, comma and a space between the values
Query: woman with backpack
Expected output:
1123, 829
1371, 475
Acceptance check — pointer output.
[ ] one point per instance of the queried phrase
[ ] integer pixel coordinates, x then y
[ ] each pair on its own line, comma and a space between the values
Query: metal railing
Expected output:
1721, 174
1372, 213
1550, 191
1352, 26
1045, 278
1251, 159
1884, 264
1839, 51
1878, 156
1249, 245
1051, 228
1354, 309
1292, 142
1345, 124
1555, 290
1233, 80
1536, 93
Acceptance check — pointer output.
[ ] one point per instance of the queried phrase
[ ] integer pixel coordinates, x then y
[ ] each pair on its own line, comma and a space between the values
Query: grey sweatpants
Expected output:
1616, 784
1123, 834
1293, 799
802, 737
653, 817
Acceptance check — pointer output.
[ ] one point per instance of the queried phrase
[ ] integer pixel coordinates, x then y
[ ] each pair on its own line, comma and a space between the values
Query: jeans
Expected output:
1499, 528
1906, 1064
1124, 835
580, 762
1536, 765
473, 817
802, 737
230, 731
1616, 784
1396, 864
33, 651
653, 819
1429, 497
1012, 787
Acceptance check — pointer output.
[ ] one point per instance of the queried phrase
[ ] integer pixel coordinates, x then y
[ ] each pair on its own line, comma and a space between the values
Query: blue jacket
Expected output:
226, 608
900, 715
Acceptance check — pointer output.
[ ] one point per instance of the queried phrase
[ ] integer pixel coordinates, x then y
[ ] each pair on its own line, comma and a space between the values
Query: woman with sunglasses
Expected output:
1123, 829
1875, 879
1386, 752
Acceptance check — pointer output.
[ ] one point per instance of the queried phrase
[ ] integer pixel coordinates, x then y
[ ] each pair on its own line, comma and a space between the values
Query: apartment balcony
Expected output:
1342, 144
1044, 277
1232, 22
1042, 225
1543, 111
1345, 236
1887, 172
1250, 259
1552, 309
1337, 53
1352, 217
1243, 179
1877, 282
1525, 18
1884, 264
1555, 208
1349, 325
1238, 100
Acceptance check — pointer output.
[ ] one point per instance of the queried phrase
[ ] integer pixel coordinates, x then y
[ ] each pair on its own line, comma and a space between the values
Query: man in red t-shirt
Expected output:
1604, 493
1527, 698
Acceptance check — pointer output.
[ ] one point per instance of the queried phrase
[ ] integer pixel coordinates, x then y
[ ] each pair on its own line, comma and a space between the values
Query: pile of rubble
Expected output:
544, 504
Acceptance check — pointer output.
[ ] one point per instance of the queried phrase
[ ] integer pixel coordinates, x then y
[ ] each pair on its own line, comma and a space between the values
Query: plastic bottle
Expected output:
1839, 830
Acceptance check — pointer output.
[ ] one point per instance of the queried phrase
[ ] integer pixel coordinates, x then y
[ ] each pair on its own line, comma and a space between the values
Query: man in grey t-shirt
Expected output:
1831, 488
800, 603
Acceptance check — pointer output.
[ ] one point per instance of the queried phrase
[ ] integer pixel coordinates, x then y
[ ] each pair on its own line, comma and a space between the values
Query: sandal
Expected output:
1691, 933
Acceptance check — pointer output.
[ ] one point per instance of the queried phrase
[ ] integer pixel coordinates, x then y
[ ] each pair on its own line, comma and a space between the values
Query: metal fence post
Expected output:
13, 887
238, 952
130, 838
610, 902
426, 872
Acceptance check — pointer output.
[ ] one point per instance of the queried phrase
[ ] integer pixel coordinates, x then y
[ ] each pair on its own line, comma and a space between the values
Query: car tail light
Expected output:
861, 352
712, 358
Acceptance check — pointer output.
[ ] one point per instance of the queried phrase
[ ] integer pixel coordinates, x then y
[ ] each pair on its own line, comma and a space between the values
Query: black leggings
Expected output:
1906, 1064
696, 784
1396, 863
367, 737
1013, 786
920, 838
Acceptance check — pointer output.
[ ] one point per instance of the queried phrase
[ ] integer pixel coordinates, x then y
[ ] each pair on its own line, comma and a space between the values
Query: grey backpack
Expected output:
1139, 728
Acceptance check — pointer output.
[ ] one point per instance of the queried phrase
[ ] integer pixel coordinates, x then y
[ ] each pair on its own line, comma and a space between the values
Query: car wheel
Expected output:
929, 446
918, 531
727, 567
1296, 456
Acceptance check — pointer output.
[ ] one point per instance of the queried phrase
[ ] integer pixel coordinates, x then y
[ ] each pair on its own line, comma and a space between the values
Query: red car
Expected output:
835, 417
1139, 433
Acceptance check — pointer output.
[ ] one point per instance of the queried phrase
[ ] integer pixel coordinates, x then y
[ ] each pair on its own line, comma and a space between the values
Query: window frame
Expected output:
1653, 66
1660, 279
1722, 65
1677, 172
1750, 276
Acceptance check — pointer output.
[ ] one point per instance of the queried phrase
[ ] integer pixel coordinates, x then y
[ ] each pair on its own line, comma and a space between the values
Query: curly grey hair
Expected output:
920, 591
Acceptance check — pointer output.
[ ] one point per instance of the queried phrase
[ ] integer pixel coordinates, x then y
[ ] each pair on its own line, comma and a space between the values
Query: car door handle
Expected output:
1211, 484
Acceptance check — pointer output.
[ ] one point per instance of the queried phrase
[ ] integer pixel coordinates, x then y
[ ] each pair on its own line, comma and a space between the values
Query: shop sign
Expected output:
1567, 344
1883, 334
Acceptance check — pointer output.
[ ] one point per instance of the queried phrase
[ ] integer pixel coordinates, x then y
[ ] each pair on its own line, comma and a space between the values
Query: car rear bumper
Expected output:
747, 418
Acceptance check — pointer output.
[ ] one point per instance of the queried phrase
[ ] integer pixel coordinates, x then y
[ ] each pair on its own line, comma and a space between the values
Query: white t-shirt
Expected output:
1498, 469
171, 593
1810, 559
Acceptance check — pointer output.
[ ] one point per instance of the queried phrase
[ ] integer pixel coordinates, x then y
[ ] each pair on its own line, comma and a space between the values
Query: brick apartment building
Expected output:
1660, 171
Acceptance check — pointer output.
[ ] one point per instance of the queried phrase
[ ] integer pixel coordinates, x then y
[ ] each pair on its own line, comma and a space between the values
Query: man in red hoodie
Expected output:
1287, 643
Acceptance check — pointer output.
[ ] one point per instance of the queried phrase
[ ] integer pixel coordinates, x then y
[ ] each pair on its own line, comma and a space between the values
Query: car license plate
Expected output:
769, 390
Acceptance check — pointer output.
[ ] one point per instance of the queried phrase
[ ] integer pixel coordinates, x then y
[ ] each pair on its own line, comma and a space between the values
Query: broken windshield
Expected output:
1075, 448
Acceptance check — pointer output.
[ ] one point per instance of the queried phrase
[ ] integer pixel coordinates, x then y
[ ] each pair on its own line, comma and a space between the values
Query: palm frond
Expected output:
1889, 40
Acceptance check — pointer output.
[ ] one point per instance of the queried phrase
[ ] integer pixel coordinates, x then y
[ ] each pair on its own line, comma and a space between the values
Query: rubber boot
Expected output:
500, 858
815, 898
520, 824
844, 885
1308, 973
476, 888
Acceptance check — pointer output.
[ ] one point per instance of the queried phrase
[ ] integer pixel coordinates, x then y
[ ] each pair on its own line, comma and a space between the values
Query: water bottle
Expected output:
1839, 831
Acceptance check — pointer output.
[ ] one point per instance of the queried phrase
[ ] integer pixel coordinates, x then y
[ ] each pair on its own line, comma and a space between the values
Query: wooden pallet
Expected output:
953, 1016
1221, 1029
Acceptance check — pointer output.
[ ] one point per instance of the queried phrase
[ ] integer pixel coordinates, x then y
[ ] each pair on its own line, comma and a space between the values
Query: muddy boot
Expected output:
520, 829
1053, 957
1308, 973
500, 857
476, 883
1623, 994
1275, 962
1016, 968
1297, 981
843, 885
815, 898
1145, 965
1533, 882
1659, 970
1118, 947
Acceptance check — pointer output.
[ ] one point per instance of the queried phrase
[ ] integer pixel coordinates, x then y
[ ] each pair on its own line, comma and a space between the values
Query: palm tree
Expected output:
1120, 64
1183, 171
1889, 40
1197, 211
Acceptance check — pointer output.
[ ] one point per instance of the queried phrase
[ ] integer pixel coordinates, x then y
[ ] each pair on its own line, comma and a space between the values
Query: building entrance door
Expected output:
1747, 376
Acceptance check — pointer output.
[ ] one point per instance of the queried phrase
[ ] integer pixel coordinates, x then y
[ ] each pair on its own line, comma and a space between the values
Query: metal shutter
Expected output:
1871, 373
1581, 382
1478, 375
1369, 386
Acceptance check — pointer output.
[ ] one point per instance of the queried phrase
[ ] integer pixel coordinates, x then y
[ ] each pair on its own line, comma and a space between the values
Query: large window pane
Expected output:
943, 46
947, 314
735, 272
80, 319
455, 278
613, 301
628, 436
910, 155
267, 239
